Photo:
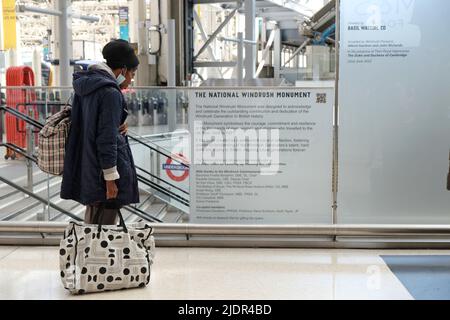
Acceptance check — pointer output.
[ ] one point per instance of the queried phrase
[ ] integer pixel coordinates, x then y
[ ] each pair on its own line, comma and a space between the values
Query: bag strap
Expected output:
101, 212
70, 101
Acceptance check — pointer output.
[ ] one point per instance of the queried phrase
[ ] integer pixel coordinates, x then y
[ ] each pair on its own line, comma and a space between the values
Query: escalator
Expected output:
161, 200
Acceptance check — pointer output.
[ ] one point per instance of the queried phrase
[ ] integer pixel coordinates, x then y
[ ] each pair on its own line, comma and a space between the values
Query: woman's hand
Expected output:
123, 129
111, 190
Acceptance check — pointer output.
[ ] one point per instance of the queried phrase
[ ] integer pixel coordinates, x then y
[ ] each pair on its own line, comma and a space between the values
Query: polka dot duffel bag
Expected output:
97, 258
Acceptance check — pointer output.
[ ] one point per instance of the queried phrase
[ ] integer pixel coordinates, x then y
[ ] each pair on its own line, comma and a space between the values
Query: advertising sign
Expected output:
9, 24
123, 23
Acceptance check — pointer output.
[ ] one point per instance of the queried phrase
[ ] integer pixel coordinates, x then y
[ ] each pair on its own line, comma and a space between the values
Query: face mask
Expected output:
120, 79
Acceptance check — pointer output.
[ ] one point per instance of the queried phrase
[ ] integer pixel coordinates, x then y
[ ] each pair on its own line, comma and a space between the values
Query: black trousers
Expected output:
106, 216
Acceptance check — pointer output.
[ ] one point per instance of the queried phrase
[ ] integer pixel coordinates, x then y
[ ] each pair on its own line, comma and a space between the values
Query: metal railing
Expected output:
258, 230
40, 199
314, 236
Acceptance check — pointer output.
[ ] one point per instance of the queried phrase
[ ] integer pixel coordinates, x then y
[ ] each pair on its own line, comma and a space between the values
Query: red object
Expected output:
16, 129
174, 177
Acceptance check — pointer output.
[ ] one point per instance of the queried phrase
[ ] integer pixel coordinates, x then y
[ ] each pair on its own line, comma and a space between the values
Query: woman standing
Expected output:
99, 170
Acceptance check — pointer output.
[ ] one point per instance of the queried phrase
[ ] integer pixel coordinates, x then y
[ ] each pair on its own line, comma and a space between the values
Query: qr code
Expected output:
321, 98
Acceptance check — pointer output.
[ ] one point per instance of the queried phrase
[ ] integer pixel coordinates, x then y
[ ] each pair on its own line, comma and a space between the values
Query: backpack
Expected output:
52, 142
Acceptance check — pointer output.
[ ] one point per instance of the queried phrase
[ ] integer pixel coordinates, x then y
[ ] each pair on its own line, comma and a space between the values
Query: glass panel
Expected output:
156, 149
394, 137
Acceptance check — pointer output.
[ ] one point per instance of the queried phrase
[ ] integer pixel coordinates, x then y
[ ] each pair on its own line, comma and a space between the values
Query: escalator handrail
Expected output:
166, 154
162, 180
41, 103
142, 214
42, 200
22, 116
7, 195
19, 150
168, 193
14, 215
163, 190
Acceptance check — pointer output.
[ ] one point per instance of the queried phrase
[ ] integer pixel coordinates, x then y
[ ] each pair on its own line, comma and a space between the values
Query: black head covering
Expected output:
119, 54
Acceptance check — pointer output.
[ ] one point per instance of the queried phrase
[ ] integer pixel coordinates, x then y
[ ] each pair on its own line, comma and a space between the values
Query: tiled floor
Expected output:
194, 273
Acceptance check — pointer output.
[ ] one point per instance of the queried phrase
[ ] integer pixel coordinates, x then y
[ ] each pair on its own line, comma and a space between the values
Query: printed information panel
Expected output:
261, 156
394, 132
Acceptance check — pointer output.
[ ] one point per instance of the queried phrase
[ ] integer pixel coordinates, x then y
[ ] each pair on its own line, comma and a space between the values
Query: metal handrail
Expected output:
256, 230
24, 210
177, 159
10, 194
162, 180
163, 190
22, 116
246, 87
42, 200
142, 214
18, 150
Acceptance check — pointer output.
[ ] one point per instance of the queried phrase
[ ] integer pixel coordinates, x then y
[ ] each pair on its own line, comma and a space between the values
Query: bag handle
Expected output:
69, 101
100, 213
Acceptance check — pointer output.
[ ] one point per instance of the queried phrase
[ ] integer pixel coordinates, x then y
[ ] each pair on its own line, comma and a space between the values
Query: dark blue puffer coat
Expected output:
95, 144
